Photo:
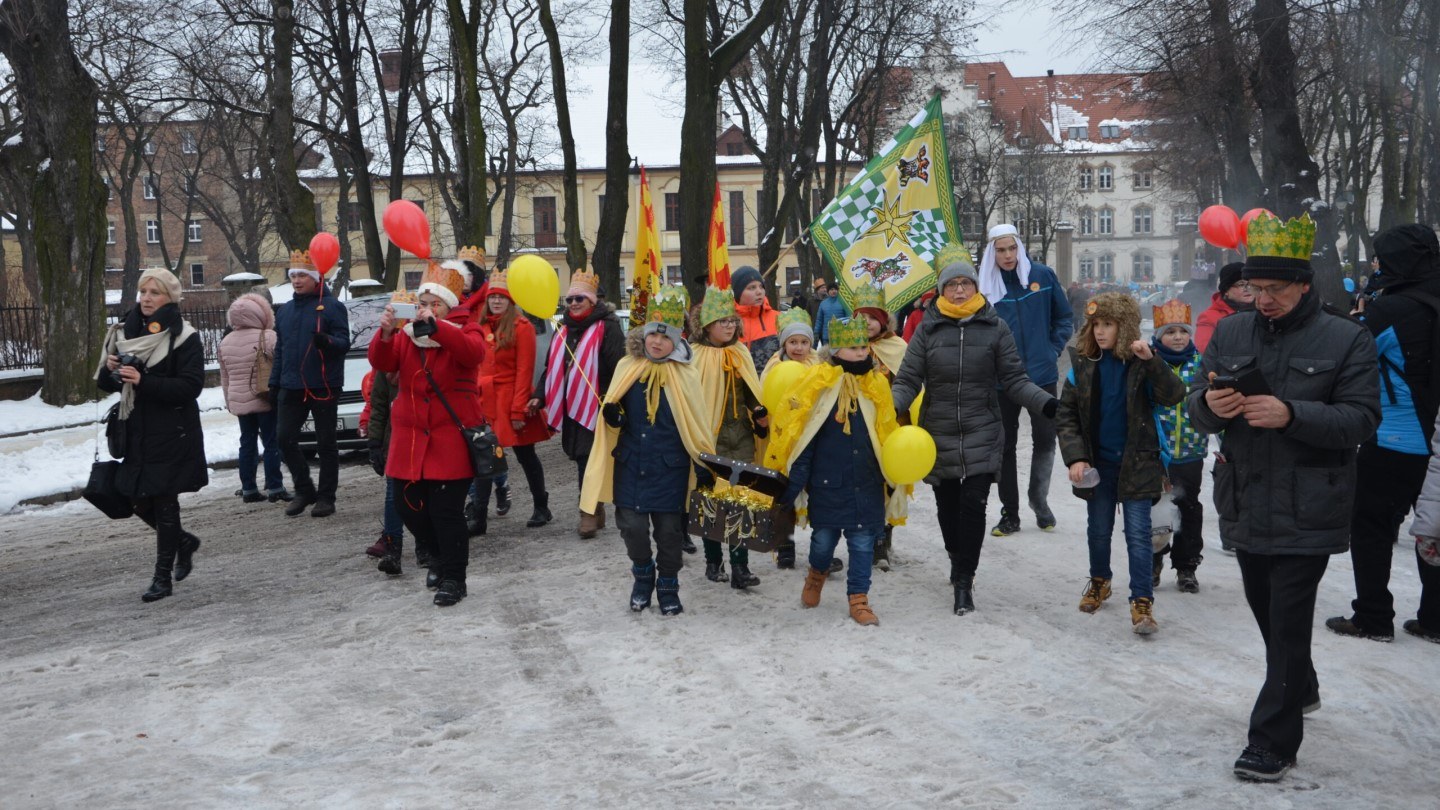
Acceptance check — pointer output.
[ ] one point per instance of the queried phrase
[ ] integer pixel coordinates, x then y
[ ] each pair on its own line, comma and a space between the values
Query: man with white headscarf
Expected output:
1030, 299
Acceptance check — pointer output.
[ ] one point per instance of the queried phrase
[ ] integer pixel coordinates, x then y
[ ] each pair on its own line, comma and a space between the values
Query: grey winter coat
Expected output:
959, 363
1290, 491
1427, 507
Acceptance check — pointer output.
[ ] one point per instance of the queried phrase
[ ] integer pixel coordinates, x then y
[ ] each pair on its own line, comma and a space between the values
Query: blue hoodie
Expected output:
1041, 320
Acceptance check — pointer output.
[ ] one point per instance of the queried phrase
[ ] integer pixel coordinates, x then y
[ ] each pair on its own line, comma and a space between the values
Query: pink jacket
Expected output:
253, 322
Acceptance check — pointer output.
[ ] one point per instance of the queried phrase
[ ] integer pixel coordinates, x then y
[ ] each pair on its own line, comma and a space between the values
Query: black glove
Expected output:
704, 479
378, 457
614, 416
755, 427
1051, 408
273, 396
322, 341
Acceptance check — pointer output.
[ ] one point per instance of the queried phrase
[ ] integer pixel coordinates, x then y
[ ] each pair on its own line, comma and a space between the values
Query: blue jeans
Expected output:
393, 525
259, 426
1101, 509
861, 544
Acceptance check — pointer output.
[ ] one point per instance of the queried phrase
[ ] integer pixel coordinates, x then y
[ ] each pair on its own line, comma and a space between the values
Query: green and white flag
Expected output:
889, 224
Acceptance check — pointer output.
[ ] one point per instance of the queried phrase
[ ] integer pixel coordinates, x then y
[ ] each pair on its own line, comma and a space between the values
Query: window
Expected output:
192, 231
412, 279
734, 149
1143, 265
1143, 178
1018, 181
737, 217
1107, 267
197, 275
149, 147
1078, 133
188, 143
1019, 223
1109, 130
109, 231
1107, 178
1023, 141
672, 211
1107, 221
673, 274
1087, 178
1139, 130
109, 188
1143, 216
973, 222
152, 231
152, 186
792, 279
1087, 268
1087, 222
544, 222
352, 215
601, 209
1174, 265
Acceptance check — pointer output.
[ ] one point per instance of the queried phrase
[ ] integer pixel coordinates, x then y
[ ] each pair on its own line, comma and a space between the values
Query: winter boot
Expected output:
1348, 627
252, 497
390, 559
541, 515
741, 578
860, 610
687, 545
1142, 616
1097, 590
1258, 765
785, 555
882, 550
1157, 570
298, 505
279, 495
715, 572
160, 587
1185, 580
184, 557
377, 549
475, 518
814, 583
502, 500
432, 578
168, 536
1045, 519
644, 585
589, 525
449, 593
836, 565
600, 515
1008, 525
964, 596
323, 508
667, 591
1418, 630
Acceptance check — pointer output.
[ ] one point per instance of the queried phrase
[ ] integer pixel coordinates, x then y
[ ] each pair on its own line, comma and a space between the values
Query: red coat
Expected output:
1205, 324
425, 443
505, 383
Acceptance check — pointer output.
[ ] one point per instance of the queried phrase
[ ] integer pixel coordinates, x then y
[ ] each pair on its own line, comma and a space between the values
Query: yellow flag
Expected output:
719, 253
647, 255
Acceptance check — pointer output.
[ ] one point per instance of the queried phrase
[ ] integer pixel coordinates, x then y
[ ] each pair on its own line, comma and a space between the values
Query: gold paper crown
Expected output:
472, 253
670, 305
718, 304
792, 315
867, 295
582, 281
949, 254
1170, 313
499, 281
300, 260
445, 277
847, 333
1268, 236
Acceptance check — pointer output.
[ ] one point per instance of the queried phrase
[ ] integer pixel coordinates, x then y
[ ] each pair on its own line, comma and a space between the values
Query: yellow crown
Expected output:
444, 277
499, 281
848, 333
583, 281
1170, 313
300, 260
670, 305
1268, 236
472, 253
866, 295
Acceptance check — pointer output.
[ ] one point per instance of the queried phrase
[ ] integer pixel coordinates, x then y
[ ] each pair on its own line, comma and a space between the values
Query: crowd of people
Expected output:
1324, 419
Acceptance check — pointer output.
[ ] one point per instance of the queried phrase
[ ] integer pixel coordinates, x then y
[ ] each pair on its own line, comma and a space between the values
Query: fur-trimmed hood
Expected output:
635, 347
1112, 306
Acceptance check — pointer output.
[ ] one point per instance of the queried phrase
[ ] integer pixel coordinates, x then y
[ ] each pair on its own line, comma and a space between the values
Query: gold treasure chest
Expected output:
740, 509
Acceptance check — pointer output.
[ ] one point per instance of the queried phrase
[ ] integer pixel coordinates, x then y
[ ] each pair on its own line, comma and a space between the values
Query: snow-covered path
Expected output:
286, 671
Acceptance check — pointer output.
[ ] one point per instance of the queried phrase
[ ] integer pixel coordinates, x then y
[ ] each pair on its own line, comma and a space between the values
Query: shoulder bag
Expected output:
486, 454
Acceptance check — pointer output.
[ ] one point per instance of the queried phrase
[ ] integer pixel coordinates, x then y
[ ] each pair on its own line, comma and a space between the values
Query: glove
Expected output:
756, 415
704, 479
614, 416
322, 340
1429, 549
1051, 408
378, 457
273, 397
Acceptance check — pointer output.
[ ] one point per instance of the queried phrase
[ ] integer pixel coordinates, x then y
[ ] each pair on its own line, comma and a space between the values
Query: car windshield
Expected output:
365, 319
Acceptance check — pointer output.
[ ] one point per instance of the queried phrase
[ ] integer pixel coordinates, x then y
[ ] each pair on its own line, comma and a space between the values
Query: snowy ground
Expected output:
286, 671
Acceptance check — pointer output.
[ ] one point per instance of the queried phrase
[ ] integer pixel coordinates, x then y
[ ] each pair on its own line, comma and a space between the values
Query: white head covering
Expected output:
992, 284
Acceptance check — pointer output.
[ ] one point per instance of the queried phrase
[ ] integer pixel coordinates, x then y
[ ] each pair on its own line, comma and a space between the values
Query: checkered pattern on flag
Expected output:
894, 216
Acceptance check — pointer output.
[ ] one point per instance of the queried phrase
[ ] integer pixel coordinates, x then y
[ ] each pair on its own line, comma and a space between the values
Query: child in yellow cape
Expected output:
730, 406
827, 439
886, 347
797, 342
643, 456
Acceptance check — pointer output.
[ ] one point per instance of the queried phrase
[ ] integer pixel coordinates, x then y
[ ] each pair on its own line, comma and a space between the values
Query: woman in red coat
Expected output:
506, 379
428, 456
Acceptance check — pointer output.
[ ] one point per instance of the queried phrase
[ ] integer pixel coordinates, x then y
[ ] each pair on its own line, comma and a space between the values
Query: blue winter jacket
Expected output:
651, 464
1041, 320
831, 307
301, 363
842, 475
1402, 327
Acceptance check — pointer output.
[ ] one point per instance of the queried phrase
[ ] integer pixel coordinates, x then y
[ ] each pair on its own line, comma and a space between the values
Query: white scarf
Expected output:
992, 284
151, 349
425, 341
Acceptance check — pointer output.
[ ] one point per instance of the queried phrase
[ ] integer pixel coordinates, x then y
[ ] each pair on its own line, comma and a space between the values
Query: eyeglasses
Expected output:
959, 282
1268, 290
575, 299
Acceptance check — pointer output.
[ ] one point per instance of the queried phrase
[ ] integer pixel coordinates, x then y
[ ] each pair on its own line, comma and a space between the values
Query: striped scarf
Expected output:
577, 389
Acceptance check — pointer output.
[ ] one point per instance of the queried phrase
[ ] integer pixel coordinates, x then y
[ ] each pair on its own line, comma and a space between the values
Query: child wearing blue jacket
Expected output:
1182, 447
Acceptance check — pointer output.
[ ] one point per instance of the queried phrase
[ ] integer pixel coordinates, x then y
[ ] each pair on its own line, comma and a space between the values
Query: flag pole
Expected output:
771, 269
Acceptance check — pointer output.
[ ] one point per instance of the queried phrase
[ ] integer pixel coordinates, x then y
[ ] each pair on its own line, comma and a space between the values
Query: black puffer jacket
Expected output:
165, 448
959, 363
1291, 491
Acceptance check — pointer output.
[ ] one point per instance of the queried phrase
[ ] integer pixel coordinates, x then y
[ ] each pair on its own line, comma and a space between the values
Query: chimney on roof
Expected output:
991, 82
1054, 110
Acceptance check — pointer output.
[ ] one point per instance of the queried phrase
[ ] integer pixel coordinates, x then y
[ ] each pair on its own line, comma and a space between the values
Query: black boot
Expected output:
475, 519
298, 505
168, 534
667, 590
687, 545
741, 578
502, 500
964, 598
184, 558
449, 593
644, 585
541, 515
390, 556
785, 555
715, 572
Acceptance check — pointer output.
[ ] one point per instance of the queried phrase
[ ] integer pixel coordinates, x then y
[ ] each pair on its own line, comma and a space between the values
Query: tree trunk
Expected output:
347, 59
574, 242
610, 236
1242, 180
294, 203
58, 101
469, 127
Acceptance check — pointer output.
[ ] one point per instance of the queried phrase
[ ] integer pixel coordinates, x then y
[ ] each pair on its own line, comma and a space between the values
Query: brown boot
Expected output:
860, 609
600, 515
1097, 590
589, 525
814, 581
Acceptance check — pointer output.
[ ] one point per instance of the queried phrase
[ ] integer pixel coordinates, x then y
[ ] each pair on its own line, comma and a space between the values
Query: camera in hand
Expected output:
125, 360
424, 328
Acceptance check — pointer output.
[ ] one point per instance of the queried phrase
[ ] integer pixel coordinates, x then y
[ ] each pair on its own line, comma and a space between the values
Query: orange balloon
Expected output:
324, 251
407, 227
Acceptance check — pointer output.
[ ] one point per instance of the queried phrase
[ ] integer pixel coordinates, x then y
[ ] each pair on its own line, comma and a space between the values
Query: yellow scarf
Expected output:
889, 353
681, 384
973, 305
720, 370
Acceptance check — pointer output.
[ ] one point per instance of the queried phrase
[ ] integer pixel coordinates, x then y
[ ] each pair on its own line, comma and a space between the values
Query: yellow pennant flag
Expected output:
647, 255
719, 253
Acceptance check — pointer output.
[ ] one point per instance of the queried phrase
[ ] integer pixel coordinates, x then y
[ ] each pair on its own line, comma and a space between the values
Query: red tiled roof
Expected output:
1042, 107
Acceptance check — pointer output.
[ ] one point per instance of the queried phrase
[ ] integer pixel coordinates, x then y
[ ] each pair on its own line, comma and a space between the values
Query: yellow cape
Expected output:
778, 357
804, 412
889, 352
681, 383
710, 362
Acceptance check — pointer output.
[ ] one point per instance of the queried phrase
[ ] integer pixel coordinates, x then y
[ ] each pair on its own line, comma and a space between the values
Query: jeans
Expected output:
1042, 457
1101, 511
294, 405
861, 546
434, 512
259, 426
392, 524
669, 536
960, 504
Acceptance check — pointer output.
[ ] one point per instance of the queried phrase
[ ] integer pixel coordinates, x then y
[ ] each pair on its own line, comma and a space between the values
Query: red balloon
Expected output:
324, 251
407, 227
1220, 227
1245, 222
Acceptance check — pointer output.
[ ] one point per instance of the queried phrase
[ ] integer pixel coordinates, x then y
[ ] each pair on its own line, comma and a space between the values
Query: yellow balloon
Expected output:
908, 455
778, 383
915, 407
534, 285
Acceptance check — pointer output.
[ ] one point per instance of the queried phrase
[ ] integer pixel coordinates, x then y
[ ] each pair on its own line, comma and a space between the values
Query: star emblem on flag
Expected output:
889, 222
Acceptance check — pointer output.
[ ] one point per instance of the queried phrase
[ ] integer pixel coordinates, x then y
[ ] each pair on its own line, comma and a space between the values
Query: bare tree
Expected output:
574, 242
611, 233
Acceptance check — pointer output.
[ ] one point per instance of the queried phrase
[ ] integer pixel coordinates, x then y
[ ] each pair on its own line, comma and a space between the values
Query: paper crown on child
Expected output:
718, 304
300, 260
868, 296
794, 321
847, 333
669, 306
472, 253
1171, 313
442, 282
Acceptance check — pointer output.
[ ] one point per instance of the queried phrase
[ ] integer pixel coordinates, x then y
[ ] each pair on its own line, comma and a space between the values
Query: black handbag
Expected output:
102, 493
115, 432
486, 454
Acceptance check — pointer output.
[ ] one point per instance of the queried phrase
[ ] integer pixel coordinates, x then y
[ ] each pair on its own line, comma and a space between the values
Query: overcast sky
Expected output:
1029, 38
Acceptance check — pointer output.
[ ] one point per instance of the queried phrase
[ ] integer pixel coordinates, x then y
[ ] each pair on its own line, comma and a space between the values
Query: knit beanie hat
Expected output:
167, 281
955, 270
742, 278
1230, 275
794, 321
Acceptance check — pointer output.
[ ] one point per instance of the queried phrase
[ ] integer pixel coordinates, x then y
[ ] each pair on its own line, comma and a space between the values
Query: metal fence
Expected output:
22, 334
